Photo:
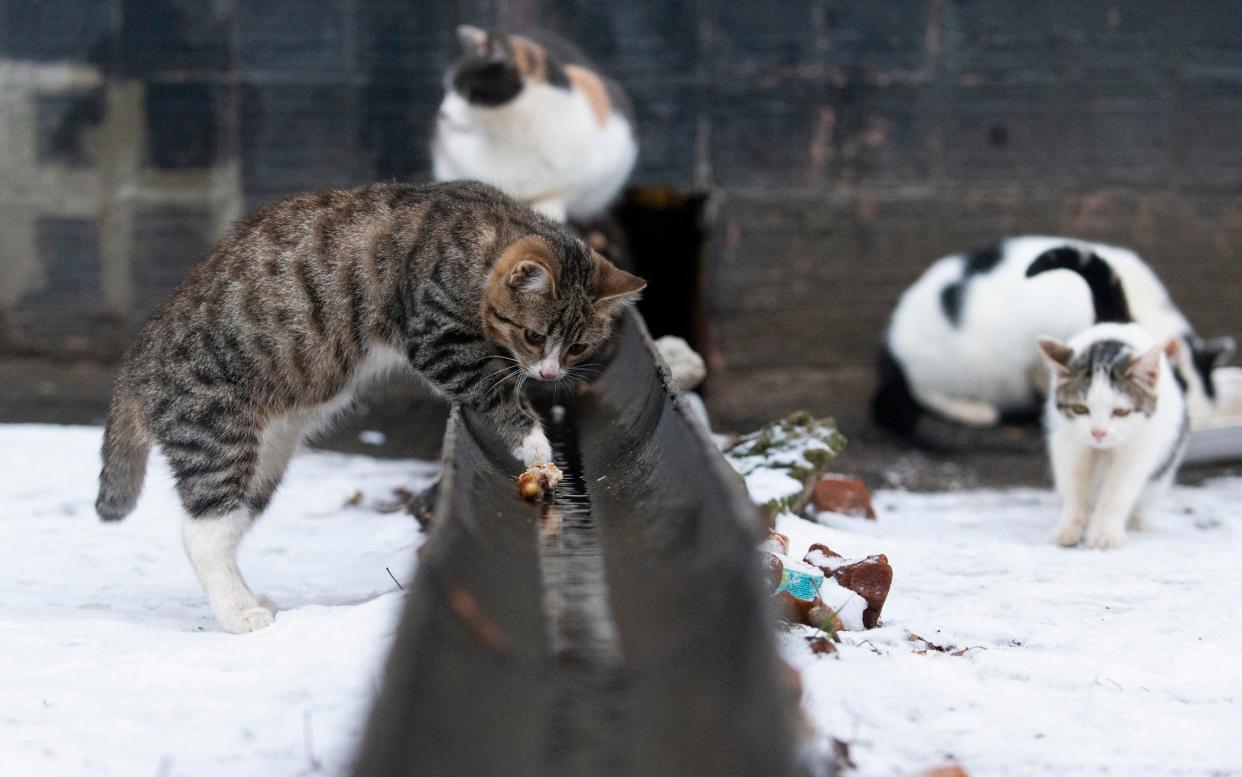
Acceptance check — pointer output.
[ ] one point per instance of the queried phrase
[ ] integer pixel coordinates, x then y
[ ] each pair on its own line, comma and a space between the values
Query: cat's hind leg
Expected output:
211, 542
216, 460
1153, 492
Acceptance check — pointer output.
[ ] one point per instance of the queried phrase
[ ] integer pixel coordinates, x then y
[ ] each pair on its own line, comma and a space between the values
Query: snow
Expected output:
110, 660
767, 485
1077, 661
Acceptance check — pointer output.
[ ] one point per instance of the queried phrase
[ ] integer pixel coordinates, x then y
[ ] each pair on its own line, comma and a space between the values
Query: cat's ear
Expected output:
472, 39
614, 286
531, 277
528, 266
1145, 368
1057, 353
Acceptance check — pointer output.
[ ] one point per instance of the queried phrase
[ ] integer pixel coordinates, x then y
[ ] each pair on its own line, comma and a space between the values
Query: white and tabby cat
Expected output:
960, 344
535, 121
1117, 426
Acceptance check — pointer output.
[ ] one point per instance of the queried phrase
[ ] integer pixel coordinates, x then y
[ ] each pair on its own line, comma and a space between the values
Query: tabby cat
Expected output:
536, 121
306, 301
1117, 427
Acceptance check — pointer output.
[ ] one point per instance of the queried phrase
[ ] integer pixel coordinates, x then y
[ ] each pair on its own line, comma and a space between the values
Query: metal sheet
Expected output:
619, 628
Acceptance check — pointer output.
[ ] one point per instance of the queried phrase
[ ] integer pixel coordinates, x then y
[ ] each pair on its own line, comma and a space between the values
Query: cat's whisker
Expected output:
497, 372
500, 381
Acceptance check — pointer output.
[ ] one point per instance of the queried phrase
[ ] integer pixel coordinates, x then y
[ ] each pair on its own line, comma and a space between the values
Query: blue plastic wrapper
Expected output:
801, 581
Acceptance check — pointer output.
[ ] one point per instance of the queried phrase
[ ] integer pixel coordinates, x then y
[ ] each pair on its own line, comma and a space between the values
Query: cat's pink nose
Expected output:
547, 373
1099, 434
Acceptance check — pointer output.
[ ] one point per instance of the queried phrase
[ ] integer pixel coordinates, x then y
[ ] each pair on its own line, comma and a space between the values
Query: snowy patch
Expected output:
1030, 659
1054, 661
110, 660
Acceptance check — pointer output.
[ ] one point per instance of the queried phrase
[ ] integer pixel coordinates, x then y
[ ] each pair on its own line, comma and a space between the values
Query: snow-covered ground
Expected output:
1078, 662
110, 660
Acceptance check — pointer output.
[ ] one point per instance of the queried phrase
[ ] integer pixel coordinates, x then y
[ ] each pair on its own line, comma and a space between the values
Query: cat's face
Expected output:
494, 68
1105, 391
551, 306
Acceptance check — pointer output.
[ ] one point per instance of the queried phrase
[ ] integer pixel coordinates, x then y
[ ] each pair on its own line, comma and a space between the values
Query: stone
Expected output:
871, 578
813, 613
776, 543
844, 495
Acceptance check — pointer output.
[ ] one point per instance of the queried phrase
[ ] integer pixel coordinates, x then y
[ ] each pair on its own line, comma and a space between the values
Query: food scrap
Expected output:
537, 479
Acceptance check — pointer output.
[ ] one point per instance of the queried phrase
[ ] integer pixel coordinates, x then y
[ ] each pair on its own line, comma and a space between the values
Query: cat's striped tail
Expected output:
1107, 294
126, 444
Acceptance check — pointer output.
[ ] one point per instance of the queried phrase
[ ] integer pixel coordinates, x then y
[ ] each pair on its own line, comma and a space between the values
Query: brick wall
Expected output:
844, 146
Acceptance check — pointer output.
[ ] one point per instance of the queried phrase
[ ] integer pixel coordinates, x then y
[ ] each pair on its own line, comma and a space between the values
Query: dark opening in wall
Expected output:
664, 235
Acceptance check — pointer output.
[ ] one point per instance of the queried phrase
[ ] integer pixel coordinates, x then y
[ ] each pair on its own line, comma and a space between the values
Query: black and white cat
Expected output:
961, 341
535, 121
1117, 427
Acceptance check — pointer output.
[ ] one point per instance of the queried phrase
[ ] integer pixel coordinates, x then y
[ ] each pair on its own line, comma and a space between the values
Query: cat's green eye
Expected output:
576, 349
1079, 409
1121, 412
534, 338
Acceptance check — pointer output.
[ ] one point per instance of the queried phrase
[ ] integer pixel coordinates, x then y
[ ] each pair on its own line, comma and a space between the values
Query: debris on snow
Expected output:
782, 461
870, 577
843, 495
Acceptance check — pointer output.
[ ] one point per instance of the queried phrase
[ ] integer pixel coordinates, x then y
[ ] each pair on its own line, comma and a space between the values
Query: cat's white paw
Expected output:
1068, 534
246, 620
535, 448
1106, 539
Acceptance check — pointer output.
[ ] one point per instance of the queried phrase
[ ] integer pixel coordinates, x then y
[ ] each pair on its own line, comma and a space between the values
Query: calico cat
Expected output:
535, 121
1117, 426
960, 343
303, 303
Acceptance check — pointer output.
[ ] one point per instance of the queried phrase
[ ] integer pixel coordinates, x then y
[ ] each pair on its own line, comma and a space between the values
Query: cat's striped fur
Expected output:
312, 296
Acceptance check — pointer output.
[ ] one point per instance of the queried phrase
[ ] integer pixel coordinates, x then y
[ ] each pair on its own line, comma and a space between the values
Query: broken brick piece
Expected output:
820, 555
821, 644
813, 613
776, 543
844, 495
870, 578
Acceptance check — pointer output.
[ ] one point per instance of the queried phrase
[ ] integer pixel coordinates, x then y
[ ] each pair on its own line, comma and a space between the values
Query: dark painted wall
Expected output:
844, 145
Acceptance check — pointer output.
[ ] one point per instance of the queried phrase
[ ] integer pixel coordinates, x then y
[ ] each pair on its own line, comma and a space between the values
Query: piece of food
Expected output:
537, 479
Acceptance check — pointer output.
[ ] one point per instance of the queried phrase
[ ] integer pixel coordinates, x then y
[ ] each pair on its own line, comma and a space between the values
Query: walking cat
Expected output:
536, 121
303, 303
1117, 427
961, 340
